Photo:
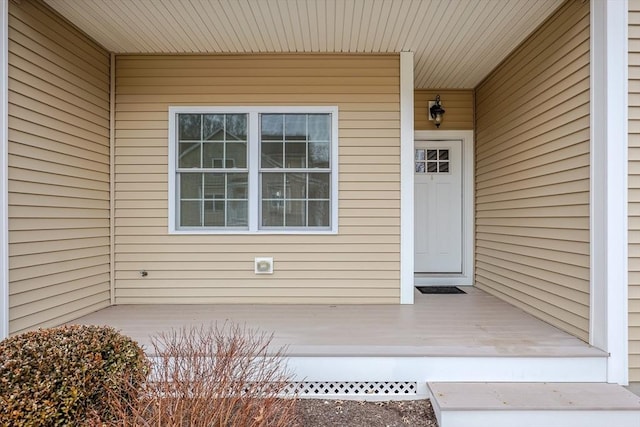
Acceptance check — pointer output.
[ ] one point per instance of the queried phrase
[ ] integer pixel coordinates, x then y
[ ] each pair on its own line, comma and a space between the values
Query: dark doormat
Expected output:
440, 290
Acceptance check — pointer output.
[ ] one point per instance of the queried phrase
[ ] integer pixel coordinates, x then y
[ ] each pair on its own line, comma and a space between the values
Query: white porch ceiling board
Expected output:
456, 43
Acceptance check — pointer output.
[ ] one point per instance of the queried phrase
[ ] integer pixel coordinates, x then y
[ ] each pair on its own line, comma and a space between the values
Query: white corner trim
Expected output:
406, 178
609, 216
468, 207
4, 171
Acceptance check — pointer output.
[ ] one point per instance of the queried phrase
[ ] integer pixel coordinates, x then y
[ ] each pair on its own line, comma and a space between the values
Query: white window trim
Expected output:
253, 166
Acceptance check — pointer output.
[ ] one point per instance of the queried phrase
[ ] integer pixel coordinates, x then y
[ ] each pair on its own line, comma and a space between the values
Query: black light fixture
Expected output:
436, 111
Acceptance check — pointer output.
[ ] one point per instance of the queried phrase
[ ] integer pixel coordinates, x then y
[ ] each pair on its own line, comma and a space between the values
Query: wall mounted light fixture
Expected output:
436, 111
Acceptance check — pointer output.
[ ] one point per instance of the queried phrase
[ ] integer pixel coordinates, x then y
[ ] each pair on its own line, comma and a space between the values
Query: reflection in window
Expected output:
212, 170
299, 142
431, 161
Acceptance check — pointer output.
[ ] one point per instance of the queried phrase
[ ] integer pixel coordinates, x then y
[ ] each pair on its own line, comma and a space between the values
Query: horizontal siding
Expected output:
359, 265
58, 170
532, 174
634, 190
458, 106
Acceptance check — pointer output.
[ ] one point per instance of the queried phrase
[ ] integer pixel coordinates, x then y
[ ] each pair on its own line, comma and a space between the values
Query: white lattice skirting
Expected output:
387, 390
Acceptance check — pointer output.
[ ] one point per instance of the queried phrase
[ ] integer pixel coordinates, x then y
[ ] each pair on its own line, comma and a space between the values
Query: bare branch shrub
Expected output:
213, 376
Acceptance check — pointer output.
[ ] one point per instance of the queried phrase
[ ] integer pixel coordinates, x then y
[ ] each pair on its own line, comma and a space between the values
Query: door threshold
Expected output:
438, 275
422, 279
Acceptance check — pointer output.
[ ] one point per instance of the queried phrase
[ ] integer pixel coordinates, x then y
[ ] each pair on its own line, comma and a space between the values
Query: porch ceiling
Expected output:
456, 42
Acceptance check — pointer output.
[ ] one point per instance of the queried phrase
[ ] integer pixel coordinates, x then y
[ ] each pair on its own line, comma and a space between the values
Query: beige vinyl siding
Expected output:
359, 265
634, 190
532, 174
58, 170
458, 106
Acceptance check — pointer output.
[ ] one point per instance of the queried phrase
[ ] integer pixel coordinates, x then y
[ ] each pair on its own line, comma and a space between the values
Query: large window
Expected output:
267, 169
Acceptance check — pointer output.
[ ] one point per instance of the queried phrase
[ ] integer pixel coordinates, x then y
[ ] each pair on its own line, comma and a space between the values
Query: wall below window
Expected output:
361, 264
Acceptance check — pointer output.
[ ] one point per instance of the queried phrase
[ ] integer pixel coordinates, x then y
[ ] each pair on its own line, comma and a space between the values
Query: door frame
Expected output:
468, 208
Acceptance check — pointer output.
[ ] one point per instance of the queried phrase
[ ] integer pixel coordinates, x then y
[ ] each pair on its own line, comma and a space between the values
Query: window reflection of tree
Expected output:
294, 141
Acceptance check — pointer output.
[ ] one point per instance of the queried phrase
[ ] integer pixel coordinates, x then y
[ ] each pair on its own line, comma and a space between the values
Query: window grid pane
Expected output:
212, 141
213, 199
295, 141
296, 199
299, 144
217, 194
432, 161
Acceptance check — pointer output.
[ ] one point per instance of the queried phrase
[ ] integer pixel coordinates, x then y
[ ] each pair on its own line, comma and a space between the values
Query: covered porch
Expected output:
531, 219
390, 351
89, 206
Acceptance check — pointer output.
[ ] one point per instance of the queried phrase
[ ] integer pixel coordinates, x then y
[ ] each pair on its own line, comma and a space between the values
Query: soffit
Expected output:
456, 43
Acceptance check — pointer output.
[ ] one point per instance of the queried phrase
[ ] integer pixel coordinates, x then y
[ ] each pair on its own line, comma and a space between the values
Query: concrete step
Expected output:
459, 404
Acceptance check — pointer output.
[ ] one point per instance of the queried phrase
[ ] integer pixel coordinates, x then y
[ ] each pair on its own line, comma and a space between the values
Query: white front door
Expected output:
438, 206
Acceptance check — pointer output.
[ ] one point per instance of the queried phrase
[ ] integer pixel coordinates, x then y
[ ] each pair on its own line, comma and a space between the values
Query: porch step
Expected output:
459, 404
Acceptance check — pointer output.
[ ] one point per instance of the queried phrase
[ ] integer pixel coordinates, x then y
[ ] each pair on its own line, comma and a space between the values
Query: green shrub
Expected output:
67, 375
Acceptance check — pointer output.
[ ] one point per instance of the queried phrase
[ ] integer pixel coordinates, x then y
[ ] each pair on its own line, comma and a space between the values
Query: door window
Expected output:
432, 161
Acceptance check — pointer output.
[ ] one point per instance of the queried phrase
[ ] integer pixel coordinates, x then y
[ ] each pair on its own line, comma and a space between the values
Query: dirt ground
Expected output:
342, 413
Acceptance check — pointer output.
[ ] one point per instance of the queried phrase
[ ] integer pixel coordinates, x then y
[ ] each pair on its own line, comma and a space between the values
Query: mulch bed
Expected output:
329, 413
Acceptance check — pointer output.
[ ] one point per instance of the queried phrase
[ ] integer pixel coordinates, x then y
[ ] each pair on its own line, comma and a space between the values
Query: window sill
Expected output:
254, 232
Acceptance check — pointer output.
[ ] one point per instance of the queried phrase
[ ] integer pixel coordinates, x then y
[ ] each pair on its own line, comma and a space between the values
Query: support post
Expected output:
406, 178
609, 219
